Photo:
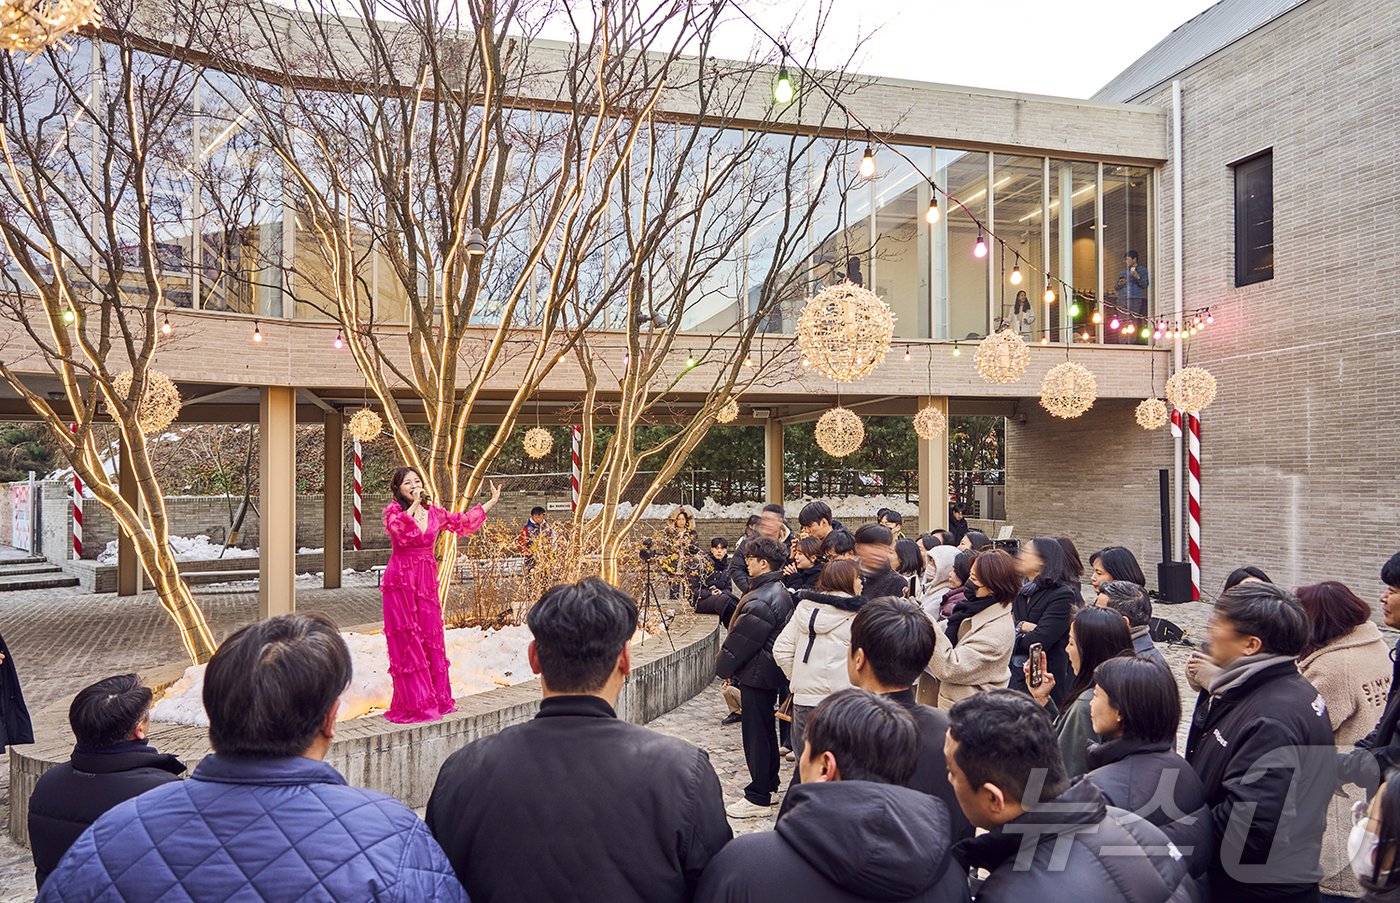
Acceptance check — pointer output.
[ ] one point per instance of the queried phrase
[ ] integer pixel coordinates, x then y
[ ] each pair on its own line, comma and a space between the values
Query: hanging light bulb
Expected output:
1129, 329
165, 326
689, 360
867, 163
932, 216
1045, 340
70, 316
957, 352
1114, 324
979, 250
1016, 273
1157, 336
783, 91
626, 361
339, 342
806, 363
1210, 317
1146, 331
748, 360
1074, 309
906, 354
1085, 335
1049, 293
1098, 316
257, 332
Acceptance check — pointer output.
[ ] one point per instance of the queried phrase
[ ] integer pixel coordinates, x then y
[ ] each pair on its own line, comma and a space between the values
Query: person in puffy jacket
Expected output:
1043, 610
111, 764
848, 833
974, 643
1047, 839
1137, 709
746, 658
812, 648
264, 817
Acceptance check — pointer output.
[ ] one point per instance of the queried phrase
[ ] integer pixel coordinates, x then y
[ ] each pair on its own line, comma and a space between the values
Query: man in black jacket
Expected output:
578, 804
1047, 839
891, 643
771, 525
746, 658
1261, 741
111, 764
878, 578
1379, 751
848, 833
816, 519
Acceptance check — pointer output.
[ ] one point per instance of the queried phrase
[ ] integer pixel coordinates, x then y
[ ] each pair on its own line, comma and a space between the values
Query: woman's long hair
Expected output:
1055, 569
396, 482
1100, 634
996, 570
1120, 563
838, 576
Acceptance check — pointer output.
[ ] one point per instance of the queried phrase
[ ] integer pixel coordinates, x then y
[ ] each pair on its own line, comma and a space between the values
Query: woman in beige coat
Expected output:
1349, 664
973, 645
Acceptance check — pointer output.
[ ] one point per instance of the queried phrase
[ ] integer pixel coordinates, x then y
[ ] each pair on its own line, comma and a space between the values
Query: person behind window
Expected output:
1132, 285
1022, 316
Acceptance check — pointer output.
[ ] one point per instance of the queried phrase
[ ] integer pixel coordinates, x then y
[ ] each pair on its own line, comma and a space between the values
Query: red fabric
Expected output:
413, 616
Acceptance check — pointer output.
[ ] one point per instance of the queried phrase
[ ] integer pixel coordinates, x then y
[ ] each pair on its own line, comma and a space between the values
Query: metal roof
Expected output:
1217, 27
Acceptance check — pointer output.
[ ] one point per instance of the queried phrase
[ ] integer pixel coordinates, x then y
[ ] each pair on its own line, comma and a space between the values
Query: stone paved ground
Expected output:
63, 640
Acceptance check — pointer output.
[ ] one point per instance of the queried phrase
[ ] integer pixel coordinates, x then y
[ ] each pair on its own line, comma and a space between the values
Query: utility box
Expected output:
989, 502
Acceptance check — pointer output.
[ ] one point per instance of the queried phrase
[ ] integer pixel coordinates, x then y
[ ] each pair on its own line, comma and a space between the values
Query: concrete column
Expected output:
128, 566
933, 473
333, 507
277, 562
774, 485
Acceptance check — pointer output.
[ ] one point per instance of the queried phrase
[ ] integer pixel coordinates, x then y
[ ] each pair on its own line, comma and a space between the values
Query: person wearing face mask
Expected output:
1374, 842
972, 647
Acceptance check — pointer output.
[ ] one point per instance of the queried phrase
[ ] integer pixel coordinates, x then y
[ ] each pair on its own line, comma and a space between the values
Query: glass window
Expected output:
840, 230
1073, 258
1127, 269
1020, 222
900, 268
960, 277
1254, 219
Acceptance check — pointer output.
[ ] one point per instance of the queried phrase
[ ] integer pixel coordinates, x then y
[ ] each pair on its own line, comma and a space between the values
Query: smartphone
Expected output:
1037, 672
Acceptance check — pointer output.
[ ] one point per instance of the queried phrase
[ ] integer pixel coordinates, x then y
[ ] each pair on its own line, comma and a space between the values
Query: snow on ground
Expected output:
655, 511
842, 506
188, 548
480, 661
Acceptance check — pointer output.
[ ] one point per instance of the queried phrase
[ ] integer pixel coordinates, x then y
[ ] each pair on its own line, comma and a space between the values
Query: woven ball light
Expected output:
28, 26
160, 401
840, 432
1191, 389
729, 412
366, 425
845, 331
537, 442
1002, 357
930, 423
1151, 414
1068, 390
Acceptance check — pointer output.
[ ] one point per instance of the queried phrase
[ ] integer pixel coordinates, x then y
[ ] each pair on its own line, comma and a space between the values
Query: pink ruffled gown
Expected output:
413, 615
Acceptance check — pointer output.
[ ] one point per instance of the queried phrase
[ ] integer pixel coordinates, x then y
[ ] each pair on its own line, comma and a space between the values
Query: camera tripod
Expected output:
649, 598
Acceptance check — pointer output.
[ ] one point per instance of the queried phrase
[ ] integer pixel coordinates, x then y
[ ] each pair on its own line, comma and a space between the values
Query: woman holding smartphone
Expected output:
412, 612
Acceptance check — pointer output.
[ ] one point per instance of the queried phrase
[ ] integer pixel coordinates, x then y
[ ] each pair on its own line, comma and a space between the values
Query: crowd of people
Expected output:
964, 724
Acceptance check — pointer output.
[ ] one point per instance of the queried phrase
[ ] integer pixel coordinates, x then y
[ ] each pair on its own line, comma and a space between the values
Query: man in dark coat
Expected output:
111, 764
1047, 839
1132, 602
891, 643
1379, 751
957, 523
849, 832
1261, 742
816, 519
878, 578
15, 728
264, 817
577, 804
746, 658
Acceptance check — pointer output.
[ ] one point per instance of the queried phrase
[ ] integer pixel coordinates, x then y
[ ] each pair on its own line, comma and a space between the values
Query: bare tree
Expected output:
98, 157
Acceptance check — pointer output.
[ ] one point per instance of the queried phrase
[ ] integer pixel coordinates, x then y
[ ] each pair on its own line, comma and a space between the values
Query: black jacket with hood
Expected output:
843, 842
746, 656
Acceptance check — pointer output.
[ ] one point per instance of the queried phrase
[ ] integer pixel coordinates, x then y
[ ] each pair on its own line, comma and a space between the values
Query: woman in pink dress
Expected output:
412, 612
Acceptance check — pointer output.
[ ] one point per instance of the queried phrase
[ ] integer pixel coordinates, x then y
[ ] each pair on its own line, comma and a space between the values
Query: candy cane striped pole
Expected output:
1194, 461
359, 462
577, 462
77, 511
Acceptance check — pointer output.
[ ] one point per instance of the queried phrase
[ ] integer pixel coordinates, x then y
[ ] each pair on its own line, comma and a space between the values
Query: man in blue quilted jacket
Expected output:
264, 817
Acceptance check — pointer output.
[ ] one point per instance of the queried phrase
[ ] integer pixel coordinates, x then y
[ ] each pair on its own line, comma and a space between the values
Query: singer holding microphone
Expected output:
412, 612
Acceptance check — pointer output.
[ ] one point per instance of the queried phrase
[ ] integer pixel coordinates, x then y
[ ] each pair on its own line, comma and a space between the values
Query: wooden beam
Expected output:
277, 522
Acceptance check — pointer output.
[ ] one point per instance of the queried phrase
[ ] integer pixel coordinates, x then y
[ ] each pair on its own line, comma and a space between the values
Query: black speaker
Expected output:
1174, 581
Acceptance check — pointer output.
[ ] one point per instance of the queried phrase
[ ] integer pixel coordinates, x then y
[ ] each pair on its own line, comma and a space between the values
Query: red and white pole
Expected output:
1194, 464
359, 462
576, 456
77, 511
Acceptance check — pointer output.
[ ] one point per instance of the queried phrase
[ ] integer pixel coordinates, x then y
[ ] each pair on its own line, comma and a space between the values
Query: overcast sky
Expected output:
1065, 47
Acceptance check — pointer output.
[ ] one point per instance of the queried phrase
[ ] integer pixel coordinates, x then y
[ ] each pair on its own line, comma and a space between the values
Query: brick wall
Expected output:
1300, 450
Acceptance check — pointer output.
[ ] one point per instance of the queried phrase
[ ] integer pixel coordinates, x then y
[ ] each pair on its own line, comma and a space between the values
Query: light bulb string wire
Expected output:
872, 136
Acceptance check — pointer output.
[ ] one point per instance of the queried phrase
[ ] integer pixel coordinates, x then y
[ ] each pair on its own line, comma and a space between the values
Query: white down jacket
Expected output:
812, 648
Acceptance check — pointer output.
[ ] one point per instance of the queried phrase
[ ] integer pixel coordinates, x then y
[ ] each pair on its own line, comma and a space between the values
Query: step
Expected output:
36, 581
202, 578
28, 559
38, 567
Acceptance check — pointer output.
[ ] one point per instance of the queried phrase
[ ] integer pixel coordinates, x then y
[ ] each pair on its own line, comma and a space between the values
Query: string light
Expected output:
339, 342
257, 332
1098, 316
1045, 340
1114, 324
979, 250
689, 360
1074, 309
867, 163
957, 352
748, 360
933, 215
783, 91
1049, 292
1146, 331
1210, 317
906, 354
1016, 273
70, 316
165, 327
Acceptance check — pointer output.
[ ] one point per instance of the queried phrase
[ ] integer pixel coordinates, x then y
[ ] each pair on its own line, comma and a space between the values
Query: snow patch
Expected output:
187, 548
841, 506
480, 660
